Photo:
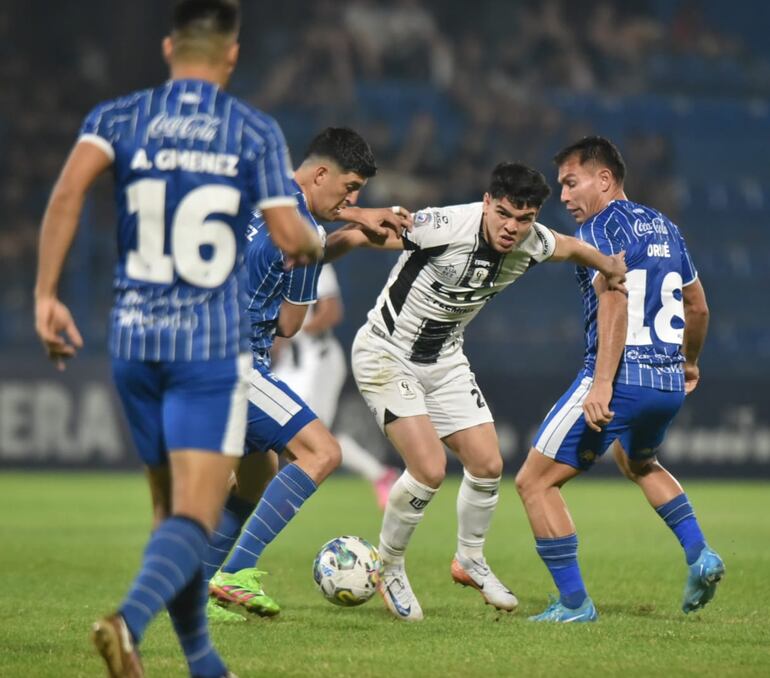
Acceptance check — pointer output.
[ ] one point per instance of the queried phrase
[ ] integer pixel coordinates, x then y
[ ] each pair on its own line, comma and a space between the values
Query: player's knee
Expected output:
430, 472
329, 455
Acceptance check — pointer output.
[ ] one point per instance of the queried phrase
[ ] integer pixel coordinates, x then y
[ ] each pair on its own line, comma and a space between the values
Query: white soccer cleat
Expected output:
476, 573
397, 593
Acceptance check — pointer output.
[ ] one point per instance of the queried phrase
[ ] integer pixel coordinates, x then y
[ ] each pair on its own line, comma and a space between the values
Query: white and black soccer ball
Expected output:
347, 571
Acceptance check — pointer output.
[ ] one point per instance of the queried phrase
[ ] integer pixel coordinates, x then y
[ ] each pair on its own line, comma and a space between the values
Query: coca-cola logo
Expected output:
200, 127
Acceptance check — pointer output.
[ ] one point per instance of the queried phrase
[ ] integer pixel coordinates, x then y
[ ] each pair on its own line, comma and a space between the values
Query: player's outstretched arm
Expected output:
612, 267
611, 328
53, 321
696, 321
351, 236
293, 234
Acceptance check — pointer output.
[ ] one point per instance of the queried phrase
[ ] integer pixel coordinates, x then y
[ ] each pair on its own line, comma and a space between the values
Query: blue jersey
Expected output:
270, 282
190, 164
659, 266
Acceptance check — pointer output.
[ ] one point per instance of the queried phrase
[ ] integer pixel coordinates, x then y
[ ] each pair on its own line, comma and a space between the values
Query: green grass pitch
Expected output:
71, 543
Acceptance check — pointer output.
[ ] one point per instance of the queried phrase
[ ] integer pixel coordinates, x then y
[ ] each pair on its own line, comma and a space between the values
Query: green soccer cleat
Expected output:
702, 579
558, 613
244, 589
218, 614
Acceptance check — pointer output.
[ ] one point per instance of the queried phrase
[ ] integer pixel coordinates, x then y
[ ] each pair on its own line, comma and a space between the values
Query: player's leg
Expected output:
417, 442
478, 450
204, 409
563, 447
635, 457
280, 420
394, 393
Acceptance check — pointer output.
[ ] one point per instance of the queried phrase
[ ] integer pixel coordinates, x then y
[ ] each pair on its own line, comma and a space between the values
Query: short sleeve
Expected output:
272, 165
595, 233
300, 285
543, 243
97, 129
431, 228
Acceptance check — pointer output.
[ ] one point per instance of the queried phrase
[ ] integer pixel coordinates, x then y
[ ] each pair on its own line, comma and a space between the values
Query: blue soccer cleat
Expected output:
556, 612
702, 579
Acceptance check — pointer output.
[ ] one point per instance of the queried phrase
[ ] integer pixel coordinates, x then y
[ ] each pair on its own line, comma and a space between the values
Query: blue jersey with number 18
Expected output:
659, 266
191, 163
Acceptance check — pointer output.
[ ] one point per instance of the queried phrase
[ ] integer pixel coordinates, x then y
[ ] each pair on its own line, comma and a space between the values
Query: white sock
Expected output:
476, 502
358, 459
406, 507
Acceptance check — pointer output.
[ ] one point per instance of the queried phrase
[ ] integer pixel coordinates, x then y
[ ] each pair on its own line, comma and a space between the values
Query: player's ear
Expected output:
167, 47
605, 179
232, 56
321, 174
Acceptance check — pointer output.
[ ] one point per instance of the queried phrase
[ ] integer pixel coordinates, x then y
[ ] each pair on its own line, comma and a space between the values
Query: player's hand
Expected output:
57, 330
691, 377
379, 223
616, 272
596, 406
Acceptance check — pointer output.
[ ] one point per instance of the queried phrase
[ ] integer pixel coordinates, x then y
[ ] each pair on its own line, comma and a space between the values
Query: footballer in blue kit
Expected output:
337, 165
190, 163
641, 358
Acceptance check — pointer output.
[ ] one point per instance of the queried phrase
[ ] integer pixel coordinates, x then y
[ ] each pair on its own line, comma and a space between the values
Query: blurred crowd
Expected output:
442, 90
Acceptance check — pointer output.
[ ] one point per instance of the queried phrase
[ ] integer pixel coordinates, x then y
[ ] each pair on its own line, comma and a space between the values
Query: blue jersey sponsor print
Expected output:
659, 266
269, 283
190, 164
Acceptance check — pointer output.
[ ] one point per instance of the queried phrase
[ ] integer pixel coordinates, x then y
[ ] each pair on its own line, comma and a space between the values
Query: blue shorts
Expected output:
276, 413
198, 404
642, 416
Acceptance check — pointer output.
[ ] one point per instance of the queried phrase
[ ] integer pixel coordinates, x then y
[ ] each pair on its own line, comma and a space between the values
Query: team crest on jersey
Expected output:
423, 218
478, 276
588, 456
406, 390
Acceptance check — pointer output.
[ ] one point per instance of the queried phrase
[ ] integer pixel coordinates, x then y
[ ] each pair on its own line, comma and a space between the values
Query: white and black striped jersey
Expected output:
445, 277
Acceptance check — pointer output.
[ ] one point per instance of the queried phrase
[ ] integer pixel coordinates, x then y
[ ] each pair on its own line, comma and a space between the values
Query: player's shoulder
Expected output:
451, 219
257, 124
118, 105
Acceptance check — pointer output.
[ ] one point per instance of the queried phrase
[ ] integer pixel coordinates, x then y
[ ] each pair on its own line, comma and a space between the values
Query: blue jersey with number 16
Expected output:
659, 266
190, 165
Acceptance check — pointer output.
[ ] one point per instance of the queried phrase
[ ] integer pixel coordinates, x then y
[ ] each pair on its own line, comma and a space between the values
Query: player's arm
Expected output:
53, 321
611, 328
696, 321
292, 233
352, 236
612, 267
327, 313
290, 318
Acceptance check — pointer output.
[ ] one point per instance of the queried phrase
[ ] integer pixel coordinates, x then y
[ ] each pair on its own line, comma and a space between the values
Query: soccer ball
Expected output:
347, 570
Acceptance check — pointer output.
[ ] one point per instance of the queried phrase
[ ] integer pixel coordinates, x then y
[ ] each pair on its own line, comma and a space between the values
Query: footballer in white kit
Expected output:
410, 367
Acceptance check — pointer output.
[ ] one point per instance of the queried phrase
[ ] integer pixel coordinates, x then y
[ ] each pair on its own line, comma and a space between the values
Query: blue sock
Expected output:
188, 615
172, 558
680, 517
282, 499
234, 516
560, 557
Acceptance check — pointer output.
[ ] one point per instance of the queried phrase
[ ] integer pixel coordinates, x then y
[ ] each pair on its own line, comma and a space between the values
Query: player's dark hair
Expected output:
220, 17
598, 149
522, 185
346, 148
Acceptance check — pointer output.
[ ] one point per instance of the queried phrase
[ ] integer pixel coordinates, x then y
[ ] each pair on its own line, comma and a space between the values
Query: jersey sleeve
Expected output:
431, 228
300, 285
541, 243
271, 165
97, 129
689, 272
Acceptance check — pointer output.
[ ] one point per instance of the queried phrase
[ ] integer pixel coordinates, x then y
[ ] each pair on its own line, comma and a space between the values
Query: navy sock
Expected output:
188, 615
234, 516
680, 517
282, 499
172, 558
560, 557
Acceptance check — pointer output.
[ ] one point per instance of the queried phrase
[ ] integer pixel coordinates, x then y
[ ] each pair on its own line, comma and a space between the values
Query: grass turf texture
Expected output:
71, 544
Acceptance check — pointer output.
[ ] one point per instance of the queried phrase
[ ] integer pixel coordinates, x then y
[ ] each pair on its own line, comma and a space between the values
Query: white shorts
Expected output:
394, 386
